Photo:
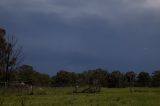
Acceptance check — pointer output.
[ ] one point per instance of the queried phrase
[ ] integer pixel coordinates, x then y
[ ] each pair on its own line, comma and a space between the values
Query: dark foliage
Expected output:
144, 79
95, 78
156, 78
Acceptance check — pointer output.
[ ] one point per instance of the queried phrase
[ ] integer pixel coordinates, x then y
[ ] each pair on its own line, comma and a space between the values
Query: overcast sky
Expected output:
77, 35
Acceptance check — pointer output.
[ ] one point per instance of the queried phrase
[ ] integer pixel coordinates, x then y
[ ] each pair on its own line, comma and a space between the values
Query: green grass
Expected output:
65, 97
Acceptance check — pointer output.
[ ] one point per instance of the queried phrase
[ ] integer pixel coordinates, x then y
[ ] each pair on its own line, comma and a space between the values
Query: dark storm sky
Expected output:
78, 35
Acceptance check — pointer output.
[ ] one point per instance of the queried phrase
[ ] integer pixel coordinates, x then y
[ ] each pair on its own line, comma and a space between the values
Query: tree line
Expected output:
104, 78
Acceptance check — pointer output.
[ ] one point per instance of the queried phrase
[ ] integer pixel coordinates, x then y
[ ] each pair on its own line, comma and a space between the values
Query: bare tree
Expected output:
10, 54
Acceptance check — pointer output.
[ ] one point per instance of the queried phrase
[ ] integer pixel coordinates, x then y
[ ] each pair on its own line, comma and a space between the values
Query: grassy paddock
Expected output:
65, 97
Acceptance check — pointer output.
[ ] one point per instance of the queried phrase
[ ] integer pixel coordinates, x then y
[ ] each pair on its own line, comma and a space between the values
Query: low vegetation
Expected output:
64, 96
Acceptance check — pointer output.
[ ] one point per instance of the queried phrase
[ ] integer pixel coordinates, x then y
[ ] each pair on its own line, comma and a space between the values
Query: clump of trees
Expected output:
98, 77
104, 78
28, 75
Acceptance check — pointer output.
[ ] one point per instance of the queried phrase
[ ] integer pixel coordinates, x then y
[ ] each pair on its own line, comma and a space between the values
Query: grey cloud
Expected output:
82, 34
75, 8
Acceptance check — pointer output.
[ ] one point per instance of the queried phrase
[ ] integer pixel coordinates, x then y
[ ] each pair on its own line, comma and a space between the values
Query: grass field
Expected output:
65, 97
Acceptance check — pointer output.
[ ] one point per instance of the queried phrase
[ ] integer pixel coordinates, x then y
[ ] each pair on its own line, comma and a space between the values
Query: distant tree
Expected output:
116, 79
26, 73
143, 79
53, 81
82, 79
73, 78
85, 77
156, 78
63, 78
100, 76
43, 79
130, 78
